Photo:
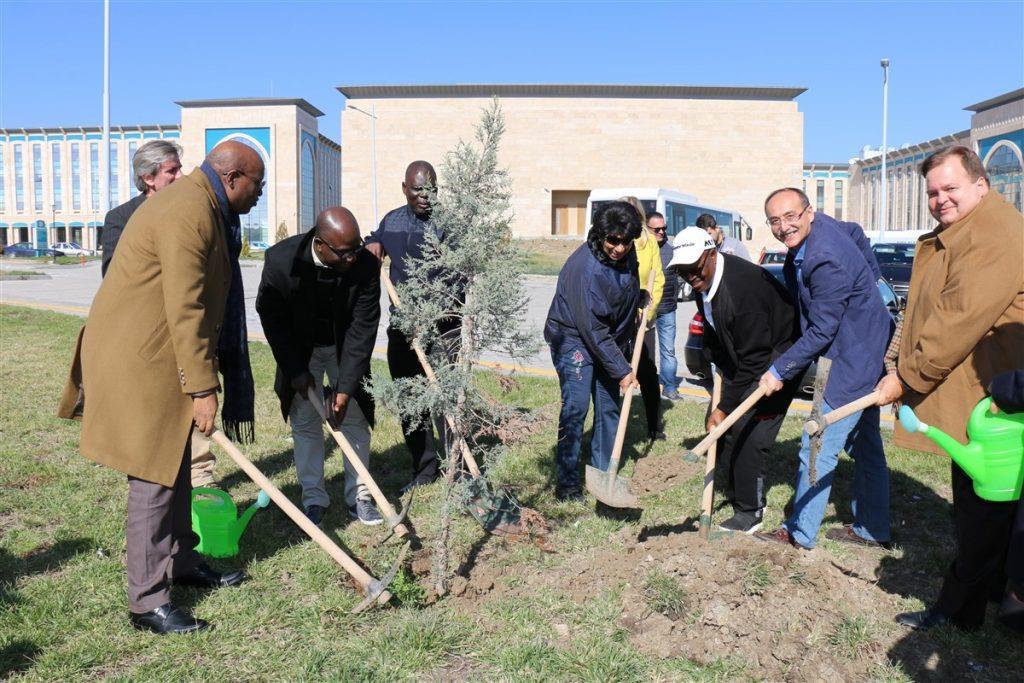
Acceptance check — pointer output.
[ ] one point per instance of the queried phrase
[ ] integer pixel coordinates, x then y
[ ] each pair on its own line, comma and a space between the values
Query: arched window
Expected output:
307, 210
1006, 173
255, 224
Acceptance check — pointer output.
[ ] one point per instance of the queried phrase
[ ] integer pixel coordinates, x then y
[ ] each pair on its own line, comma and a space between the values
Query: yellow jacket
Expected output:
648, 256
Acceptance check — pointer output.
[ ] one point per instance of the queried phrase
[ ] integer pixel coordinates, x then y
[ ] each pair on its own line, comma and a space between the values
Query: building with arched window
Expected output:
996, 134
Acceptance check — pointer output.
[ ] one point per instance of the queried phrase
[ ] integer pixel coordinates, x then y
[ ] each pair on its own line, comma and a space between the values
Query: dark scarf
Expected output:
238, 414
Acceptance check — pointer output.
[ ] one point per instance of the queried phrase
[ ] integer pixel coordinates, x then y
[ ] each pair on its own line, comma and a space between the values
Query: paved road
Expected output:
72, 288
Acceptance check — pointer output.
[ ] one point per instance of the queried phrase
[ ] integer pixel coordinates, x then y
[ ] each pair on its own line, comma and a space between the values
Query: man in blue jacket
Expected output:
833, 275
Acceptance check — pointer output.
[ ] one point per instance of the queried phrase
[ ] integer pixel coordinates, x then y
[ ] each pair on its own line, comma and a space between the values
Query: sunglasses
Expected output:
689, 272
346, 254
662, 229
618, 241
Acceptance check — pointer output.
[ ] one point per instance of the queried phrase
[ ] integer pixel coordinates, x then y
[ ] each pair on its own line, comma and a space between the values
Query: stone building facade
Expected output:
726, 146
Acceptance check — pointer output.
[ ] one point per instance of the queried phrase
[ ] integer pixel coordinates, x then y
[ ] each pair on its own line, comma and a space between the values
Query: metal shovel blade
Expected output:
377, 587
610, 489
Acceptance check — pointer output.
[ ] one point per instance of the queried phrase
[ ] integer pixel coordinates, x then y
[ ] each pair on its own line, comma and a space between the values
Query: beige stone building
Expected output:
726, 146
827, 186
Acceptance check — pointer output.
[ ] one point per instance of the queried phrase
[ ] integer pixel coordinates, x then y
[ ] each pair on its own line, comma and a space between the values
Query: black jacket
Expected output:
113, 225
670, 292
755, 322
285, 303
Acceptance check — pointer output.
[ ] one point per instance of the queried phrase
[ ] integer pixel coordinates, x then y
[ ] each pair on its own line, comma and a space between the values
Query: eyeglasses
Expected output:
690, 272
258, 183
661, 229
346, 254
788, 218
618, 241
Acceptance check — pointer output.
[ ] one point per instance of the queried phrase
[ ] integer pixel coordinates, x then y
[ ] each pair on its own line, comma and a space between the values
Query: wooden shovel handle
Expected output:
627, 400
729, 421
428, 370
332, 549
707, 499
353, 458
851, 408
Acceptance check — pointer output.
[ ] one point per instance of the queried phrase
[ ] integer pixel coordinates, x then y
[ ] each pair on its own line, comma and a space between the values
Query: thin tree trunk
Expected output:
442, 551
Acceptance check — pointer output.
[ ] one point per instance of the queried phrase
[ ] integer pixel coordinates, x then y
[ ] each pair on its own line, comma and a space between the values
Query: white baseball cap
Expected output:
688, 246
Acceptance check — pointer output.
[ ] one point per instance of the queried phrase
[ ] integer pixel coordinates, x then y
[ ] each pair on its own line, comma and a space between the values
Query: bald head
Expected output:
337, 242
241, 171
419, 186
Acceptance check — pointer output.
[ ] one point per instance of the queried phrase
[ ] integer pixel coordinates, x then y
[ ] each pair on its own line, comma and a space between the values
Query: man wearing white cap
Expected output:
750, 320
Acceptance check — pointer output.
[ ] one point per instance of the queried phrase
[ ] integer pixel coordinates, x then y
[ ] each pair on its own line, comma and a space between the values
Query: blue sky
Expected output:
944, 55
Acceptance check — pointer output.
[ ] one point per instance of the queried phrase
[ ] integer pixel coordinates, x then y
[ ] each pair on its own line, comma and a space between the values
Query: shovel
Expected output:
394, 519
428, 370
713, 436
608, 487
375, 591
707, 500
815, 429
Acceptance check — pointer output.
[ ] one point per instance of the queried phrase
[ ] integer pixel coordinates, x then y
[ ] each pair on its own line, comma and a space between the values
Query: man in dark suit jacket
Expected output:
155, 165
319, 301
842, 318
749, 321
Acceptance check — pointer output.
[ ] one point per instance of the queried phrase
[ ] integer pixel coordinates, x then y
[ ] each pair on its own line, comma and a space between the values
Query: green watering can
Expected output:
215, 518
994, 455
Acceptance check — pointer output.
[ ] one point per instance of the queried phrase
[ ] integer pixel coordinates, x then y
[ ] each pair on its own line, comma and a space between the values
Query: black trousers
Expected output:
1015, 554
982, 530
650, 386
402, 362
742, 449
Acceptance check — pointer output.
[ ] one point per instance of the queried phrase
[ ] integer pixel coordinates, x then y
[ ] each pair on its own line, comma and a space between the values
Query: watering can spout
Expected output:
262, 501
968, 457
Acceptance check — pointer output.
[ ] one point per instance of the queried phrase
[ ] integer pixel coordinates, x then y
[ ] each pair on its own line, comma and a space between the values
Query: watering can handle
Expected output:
223, 497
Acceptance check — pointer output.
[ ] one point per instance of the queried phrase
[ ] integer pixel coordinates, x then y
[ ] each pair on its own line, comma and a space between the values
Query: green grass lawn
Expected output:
62, 581
546, 256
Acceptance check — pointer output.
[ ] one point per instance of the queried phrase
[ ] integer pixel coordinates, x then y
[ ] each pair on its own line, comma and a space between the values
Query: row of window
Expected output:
57, 176
819, 197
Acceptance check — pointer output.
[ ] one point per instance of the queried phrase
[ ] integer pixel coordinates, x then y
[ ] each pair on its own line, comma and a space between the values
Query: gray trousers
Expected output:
159, 537
308, 438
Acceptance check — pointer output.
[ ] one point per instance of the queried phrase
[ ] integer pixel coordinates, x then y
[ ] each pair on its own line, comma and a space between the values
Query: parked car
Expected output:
895, 260
28, 250
772, 257
73, 249
258, 246
698, 365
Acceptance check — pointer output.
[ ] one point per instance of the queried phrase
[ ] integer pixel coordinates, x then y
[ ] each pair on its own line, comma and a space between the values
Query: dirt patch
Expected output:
660, 472
784, 614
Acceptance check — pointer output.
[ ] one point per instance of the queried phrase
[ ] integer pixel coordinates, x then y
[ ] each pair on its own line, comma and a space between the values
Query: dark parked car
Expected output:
25, 249
895, 260
699, 365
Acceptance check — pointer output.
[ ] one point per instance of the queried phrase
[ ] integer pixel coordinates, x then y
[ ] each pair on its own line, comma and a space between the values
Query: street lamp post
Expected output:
373, 155
885, 150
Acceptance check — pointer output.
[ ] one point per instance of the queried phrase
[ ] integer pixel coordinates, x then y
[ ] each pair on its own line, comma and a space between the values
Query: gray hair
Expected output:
148, 158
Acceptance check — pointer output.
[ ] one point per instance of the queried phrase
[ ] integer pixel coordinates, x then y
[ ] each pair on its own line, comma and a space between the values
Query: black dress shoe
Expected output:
168, 619
923, 620
204, 577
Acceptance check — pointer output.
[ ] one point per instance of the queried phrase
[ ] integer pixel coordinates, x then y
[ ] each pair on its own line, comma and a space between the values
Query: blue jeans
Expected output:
580, 382
859, 435
667, 364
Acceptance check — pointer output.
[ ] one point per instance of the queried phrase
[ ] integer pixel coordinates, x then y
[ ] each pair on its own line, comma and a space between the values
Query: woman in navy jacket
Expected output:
590, 329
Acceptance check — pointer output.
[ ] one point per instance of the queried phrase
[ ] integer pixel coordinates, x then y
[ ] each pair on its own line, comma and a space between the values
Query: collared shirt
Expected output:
710, 294
316, 259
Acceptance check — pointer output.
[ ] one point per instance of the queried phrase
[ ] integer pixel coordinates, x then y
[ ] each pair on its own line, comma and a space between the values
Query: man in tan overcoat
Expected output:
149, 362
964, 324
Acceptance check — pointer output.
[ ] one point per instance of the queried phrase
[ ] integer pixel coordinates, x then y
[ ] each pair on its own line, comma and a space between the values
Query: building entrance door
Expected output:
569, 212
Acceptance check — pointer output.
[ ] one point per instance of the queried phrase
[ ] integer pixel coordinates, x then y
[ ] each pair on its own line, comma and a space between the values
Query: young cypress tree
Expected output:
462, 298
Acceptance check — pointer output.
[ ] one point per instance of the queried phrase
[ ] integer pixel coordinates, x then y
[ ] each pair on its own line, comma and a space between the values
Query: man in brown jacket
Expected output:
149, 359
964, 324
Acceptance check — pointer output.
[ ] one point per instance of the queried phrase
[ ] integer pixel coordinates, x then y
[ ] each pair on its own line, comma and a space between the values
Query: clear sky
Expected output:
945, 55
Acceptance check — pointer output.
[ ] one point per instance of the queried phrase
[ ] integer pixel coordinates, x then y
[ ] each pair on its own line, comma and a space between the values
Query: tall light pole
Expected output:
885, 150
373, 155
105, 152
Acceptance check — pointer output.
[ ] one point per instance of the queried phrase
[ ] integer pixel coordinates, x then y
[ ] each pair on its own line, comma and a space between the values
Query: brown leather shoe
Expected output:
780, 536
846, 534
